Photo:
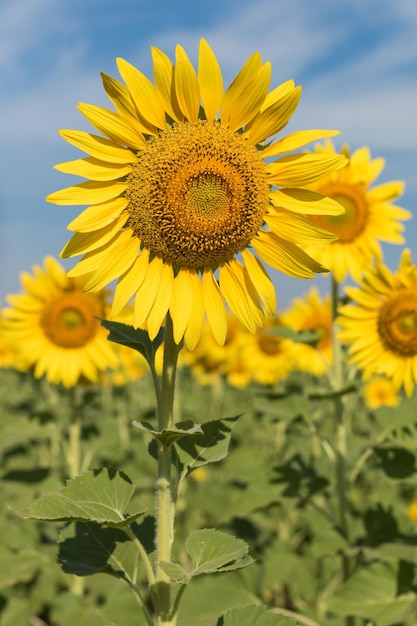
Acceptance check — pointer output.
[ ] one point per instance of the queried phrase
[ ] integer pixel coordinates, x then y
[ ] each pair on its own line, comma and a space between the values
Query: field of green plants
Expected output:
326, 511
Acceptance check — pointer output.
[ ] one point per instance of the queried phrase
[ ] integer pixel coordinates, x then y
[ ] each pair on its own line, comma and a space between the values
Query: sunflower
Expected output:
380, 392
369, 213
179, 188
380, 326
55, 326
314, 313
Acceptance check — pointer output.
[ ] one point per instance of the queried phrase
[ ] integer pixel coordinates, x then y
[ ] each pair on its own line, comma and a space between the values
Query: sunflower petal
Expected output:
129, 282
112, 125
98, 215
263, 283
145, 96
285, 256
298, 170
241, 295
98, 147
298, 229
94, 169
237, 87
210, 80
195, 325
117, 264
164, 72
147, 292
274, 119
214, 306
296, 140
186, 85
181, 304
81, 243
160, 307
89, 192
305, 201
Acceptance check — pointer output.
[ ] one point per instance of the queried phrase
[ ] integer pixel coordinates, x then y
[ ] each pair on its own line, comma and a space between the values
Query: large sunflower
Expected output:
369, 215
54, 326
179, 187
381, 325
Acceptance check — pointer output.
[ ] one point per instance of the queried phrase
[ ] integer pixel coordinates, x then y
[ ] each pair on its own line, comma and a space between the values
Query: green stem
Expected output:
342, 486
143, 555
74, 439
165, 490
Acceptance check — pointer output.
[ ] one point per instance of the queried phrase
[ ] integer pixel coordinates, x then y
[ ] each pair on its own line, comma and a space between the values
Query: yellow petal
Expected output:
248, 104
91, 261
210, 80
260, 278
277, 93
90, 192
186, 86
296, 140
81, 243
112, 125
298, 170
238, 85
305, 201
285, 256
387, 192
163, 298
145, 96
98, 147
195, 325
273, 119
94, 169
119, 95
98, 215
147, 292
241, 295
115, 265
163, 71
214, 306
129, 282
181, 306
298, 229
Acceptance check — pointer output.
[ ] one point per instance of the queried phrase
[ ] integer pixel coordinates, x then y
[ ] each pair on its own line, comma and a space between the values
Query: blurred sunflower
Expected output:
312, 313
369, 215
55, 327
177, 192
380, 392
380, 325
268, 356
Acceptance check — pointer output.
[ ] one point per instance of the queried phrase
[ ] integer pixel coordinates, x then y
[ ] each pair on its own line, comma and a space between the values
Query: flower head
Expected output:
179, 188
380, 326
55, 326
369, 215
379, 391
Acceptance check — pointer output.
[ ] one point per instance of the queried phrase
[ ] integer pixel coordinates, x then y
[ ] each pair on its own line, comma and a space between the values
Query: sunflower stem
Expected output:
165, 488
342, 483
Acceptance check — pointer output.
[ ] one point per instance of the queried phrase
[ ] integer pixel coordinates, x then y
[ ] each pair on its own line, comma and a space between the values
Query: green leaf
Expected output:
99, 496
210, 446
255, 615
168, 436
310, 337
211, 551
137, 339
87, 549
371, 594
396, 462
19, 567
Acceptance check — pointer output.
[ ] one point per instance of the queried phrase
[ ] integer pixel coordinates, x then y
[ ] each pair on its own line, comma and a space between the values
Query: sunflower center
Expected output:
352, 222
269, 344
397, 324
71, 320
197, 195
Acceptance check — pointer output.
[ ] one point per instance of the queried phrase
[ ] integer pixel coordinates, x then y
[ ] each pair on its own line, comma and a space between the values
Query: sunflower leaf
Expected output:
169, 435
210, 551
134, 338
99, 496
250, 614
208, 446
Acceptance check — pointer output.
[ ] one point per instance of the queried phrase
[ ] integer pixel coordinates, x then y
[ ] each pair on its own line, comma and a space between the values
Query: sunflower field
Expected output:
175, 450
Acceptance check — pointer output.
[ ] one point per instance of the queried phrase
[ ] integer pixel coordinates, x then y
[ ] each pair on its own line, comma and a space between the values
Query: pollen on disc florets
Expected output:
197, 195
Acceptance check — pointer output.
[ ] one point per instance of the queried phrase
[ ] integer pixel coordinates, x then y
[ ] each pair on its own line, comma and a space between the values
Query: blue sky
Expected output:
356, 61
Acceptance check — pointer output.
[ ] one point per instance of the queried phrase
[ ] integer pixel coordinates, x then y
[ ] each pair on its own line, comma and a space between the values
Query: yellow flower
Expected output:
381, 324
55, 326
380, 392
179, 187
369, 215
412, 511
312, 313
